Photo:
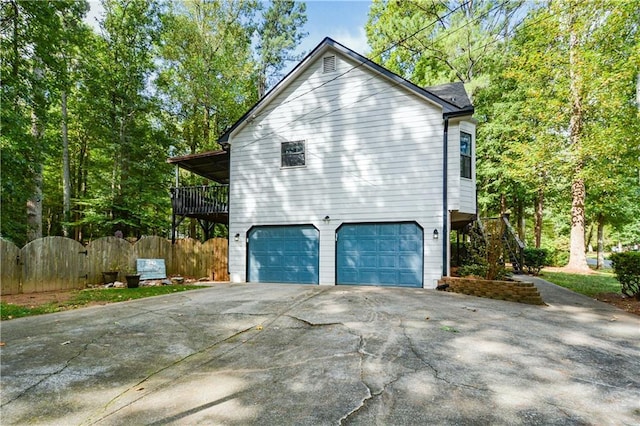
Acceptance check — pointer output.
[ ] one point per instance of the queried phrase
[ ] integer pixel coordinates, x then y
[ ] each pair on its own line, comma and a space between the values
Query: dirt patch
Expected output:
628, 304
33, 300
39, 299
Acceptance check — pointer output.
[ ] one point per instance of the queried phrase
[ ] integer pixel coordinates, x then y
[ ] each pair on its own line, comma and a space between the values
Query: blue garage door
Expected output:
385, 254
283, 254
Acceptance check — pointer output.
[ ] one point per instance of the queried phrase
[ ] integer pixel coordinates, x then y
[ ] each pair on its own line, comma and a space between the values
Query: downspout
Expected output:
445, 207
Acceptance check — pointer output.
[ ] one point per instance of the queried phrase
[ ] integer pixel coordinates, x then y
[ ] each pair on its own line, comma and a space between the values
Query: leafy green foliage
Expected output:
280, 33
478, 269
557, 257
535, 259
157, 79
432, 42
626, 266
484, 254
526, 148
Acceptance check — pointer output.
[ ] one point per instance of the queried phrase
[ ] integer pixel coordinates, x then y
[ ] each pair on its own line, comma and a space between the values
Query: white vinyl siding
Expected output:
373, 153
461, 191
468, 186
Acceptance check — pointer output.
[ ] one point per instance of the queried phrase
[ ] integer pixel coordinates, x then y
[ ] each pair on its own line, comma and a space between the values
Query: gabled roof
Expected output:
454, 93
452, 97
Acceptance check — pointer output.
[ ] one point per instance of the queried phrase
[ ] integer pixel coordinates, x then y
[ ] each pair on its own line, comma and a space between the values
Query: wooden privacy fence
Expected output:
59, 263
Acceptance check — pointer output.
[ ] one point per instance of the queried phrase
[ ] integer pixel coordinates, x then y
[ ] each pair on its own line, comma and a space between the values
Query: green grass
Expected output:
84, 297
589, 285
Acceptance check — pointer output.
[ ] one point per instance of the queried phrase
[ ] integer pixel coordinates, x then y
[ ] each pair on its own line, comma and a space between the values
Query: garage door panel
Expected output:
408, 279
410, 229
366, 245
386, 277
368, 261
283, 254
349, 276
410, 246
387, 245
380, 254
387, 261
411, 261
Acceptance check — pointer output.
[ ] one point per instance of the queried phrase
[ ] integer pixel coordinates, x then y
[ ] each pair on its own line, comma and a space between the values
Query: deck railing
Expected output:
200, 200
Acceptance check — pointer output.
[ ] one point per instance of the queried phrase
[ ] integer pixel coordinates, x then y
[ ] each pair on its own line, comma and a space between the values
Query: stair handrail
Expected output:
516, 252
513, 233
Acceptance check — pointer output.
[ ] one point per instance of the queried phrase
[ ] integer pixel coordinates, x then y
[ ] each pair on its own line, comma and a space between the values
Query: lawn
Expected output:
79, 298
589, 285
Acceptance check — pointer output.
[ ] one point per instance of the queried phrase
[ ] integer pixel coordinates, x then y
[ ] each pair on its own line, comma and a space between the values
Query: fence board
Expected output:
53, 263
215, 258
187, 258
58, 263
109, 254
10, 268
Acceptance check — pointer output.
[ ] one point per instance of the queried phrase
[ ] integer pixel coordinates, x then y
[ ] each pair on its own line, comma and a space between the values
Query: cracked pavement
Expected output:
294, 354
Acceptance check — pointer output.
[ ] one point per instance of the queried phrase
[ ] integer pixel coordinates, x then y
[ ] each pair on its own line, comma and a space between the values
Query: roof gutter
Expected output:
458, 113
445, 206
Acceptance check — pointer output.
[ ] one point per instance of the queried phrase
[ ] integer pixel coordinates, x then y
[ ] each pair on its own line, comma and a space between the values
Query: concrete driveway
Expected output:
290, 354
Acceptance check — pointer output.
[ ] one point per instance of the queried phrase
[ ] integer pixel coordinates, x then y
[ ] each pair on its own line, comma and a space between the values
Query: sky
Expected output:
343, 21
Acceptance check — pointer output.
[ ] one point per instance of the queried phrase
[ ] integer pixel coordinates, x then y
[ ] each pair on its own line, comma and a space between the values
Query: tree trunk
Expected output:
577, 256
539, 210
206, 128
520, 222
600, 261
81, 186
503, 205
66, 173
15, 69
34, 203
262, 83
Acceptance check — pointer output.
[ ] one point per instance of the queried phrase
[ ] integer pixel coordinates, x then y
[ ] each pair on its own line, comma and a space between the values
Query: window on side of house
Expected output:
292, 154
465, 155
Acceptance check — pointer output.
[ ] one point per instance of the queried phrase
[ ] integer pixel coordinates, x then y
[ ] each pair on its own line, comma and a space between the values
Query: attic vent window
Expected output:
329, 64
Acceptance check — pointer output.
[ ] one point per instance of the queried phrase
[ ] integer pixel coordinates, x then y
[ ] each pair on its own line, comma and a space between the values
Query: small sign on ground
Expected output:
151, 269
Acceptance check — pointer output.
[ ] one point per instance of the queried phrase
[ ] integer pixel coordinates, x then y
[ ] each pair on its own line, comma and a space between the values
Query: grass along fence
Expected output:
59, 263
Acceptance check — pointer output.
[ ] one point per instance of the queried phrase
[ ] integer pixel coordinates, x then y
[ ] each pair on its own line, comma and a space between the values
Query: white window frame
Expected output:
284, 155
466, 159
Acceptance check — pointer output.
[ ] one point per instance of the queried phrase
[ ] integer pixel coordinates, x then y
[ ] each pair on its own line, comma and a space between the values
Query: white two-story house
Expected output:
347, 174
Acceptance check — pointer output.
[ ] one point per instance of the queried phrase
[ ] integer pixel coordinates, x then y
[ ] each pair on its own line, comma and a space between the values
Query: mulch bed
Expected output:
628, 304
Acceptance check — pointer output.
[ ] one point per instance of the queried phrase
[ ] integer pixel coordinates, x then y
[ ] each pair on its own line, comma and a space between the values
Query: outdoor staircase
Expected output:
513, 246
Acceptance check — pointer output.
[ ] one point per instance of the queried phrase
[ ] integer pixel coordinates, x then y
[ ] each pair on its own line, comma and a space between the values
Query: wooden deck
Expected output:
208, 204
202, 202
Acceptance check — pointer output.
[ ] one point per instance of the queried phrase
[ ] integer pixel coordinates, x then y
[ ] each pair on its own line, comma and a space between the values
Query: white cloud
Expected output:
355, 39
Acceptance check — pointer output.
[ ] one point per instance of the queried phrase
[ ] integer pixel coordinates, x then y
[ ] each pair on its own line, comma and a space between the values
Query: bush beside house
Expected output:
535, 259
626, 267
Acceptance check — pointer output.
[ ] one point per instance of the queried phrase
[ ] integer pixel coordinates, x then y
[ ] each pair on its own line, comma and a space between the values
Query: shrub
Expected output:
481, 270
535, 259
626, 266
557, 257
475, 269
